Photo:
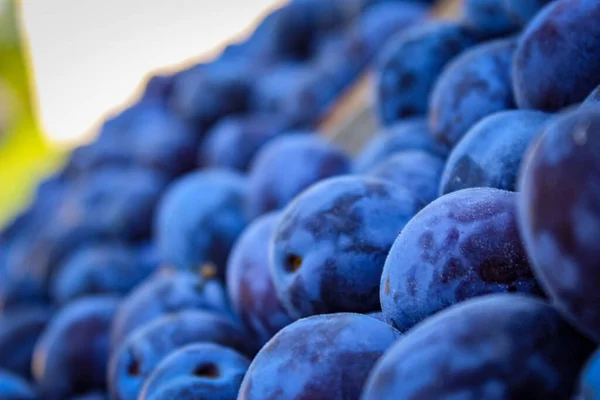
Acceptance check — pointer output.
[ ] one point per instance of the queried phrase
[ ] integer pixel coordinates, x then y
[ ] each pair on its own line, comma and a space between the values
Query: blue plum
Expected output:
495, 347
95, 269
410, 64
20, 329
560, 214
233, 141
490, 154
203, 371
139, 355
488, 17
409, 134
589, 382
318, 358
164, 293
558, 56
463, 245
287, 166
249, 284
522, 11
13, 387
594, 97
199, 219
415, 170
71, 356
330, 245
475, 84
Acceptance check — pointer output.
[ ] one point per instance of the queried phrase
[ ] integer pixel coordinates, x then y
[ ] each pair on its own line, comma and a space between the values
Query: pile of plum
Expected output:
210, 244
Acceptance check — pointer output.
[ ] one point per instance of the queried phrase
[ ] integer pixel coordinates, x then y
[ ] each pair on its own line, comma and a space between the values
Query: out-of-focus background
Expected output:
65, 64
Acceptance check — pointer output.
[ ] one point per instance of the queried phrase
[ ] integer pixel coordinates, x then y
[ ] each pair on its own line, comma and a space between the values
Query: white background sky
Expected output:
90, 55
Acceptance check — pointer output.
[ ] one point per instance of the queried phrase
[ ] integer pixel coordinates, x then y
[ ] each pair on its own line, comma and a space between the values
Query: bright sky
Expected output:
90, 55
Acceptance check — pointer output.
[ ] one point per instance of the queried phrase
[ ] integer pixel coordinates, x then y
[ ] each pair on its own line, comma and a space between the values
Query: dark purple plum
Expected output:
410, 64
71, 356
463, 245
490, 154
589, 380
414, 170
249, 284
409, 134
558, 56
475, 84
137, 358
233, 141
199, 219
522, 11
318, 358
330, 245
202, 371
166, 292
488, 17
495, 347
559, 211
20, 329
99, 268
13, 387
593, 98
287, 166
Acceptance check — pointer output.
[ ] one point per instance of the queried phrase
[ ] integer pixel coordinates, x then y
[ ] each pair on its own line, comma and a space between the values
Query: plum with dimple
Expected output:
490, 154
199, 219
330, 245
139, 355
410, 64
324, 357
409, 134
463, 245
287, 166
559, 214
164, 293
495, 347
70, 357
13, 387
233, 141
202, 371
249, 284
475, 84
558, 56
20, 329
417, 171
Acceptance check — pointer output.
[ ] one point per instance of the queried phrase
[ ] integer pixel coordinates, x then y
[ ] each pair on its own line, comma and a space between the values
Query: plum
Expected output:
135, 360
320, 357
490, 154
489, 17
494, 347
95, 269
593, 98
464, 244
408, 134
195, 372
330, 245
558, 56
249, 283
410, 64
522, 11
199, 219
589, 381
20, 329
287, 166
415, 170
164, 293
91, 396
233, 141
13, 387
559, 214
475, 84
70, 357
